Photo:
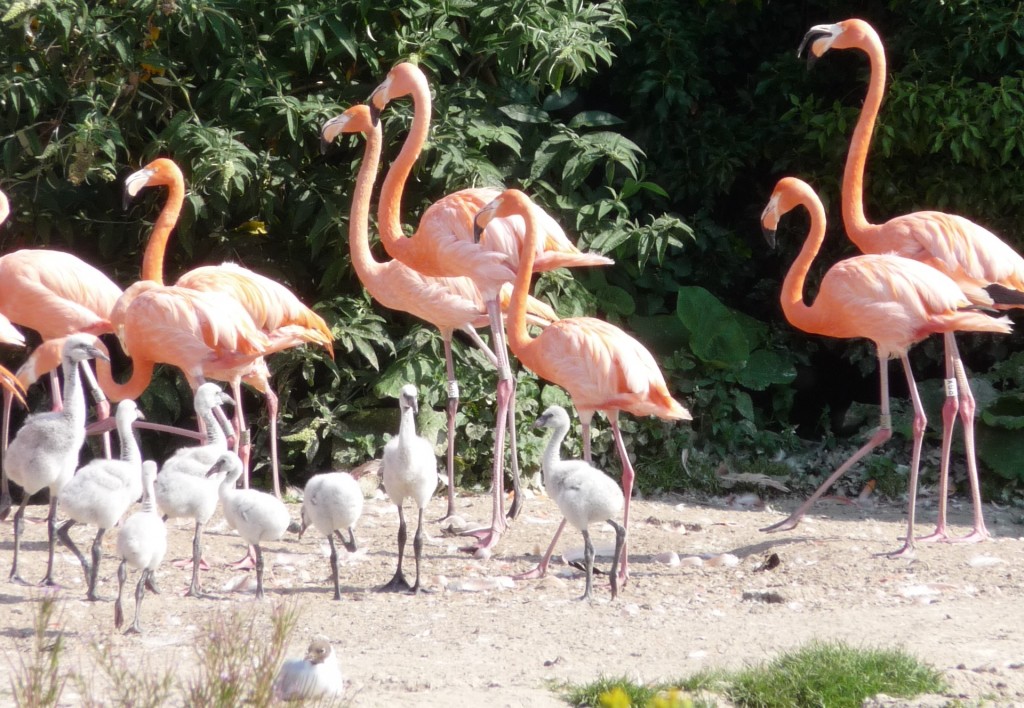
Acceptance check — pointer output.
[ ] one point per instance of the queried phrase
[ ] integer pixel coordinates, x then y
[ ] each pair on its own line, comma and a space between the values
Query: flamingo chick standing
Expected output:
409, 471
102, 491
333, 502
44, 453
142, 544
256, 516
584, 494
893, 301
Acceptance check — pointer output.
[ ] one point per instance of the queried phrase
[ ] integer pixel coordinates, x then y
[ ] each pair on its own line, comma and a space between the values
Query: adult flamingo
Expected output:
891, 300
443, 245
447, 303
988, 271
270, 307
601, 367
56, 294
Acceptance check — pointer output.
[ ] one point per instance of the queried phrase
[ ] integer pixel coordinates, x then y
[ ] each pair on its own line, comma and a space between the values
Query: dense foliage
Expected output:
653, 130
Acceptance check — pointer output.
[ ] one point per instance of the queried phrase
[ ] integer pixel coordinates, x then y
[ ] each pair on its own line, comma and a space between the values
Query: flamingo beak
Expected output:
330, 131
135, 182
815, 51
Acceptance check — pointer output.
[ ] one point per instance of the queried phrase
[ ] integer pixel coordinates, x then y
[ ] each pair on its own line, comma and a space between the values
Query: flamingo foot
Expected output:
248, 562
787, 524
396, 584
18, 580
187, 563
976, 536
488, 539
939, 535
536, 573
906, 551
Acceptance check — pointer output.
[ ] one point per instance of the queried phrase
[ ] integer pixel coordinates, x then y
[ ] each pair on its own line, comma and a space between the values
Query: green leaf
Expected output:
766, 368
715, 335
594, 119
525, 114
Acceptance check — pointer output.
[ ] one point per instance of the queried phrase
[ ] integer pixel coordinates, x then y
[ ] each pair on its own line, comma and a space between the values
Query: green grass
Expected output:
829, 674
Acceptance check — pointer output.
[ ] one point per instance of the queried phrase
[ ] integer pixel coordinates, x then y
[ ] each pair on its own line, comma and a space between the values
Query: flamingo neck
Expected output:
129, 445
214, 432
797, 311
142, 374
518, 336
407, 426
148, 497
857, 225
74, 398
153, 260
359, 217
389, 210
553, 452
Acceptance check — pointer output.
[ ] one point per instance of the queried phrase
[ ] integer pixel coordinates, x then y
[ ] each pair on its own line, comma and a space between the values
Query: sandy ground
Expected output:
696, 599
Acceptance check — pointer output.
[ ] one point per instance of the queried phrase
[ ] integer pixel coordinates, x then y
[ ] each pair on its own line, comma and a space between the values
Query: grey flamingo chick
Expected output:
44, 453
584, 494
256, 516
197, 459
409, 471
316, 676
333, 502
142, 544
101, 493
180, 494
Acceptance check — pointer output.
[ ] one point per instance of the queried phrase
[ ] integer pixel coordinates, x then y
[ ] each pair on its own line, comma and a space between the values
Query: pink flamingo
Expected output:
988, 271
601, 367
56, 294
447, 303
256, 302
893, 301
443, 245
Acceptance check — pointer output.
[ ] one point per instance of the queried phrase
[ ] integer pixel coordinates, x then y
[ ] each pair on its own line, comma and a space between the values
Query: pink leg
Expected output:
489, 537
967, 408
949, 411
272, 417
452, 409
883, 434
243, 447
627, 490
919, 425
542, 567
102, 404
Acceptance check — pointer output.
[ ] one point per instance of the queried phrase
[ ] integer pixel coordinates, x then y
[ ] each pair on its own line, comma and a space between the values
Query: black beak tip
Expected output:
374, 113
477, 231
324, 144
769, 236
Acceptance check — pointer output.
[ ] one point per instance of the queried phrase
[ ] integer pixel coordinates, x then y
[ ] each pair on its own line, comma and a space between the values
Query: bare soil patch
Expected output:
477, 638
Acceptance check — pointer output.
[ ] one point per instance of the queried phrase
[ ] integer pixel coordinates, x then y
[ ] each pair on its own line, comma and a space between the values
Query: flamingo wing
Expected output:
965, 251
271, 305
602, 367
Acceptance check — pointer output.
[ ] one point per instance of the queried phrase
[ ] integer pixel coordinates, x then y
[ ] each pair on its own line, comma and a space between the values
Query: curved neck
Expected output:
853, 175
142, 374
214, 432
792, 298
389, 210
553, 451
359, 216
227, 485
153, 260
518, 336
